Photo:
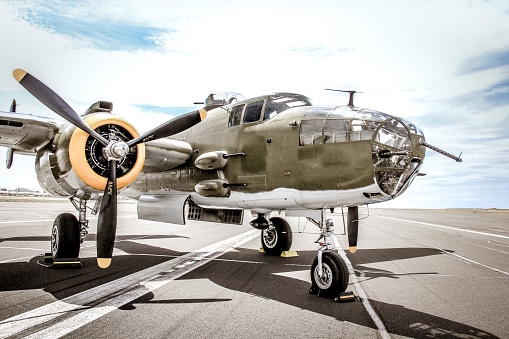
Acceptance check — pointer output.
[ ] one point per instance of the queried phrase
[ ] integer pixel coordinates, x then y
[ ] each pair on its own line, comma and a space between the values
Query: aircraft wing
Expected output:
26, 133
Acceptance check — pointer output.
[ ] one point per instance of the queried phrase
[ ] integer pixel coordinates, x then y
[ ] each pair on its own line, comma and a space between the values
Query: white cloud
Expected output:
406, 56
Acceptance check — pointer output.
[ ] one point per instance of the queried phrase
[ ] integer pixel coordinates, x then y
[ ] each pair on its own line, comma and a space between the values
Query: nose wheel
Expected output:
329, 272
331, 278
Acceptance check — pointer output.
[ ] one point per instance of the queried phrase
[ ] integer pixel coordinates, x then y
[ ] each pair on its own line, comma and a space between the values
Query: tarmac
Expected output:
416, 273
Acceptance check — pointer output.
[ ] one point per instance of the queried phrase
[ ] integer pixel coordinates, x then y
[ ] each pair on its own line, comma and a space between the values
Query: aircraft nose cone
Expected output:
396, 155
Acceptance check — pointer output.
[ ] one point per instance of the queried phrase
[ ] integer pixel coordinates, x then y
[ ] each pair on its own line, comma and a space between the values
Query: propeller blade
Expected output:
171, 127
107, 220
353, 227
54, 102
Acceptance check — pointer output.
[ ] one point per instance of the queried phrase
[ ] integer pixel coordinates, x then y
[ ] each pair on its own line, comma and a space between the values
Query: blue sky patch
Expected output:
95, 31
175, 111
489, 60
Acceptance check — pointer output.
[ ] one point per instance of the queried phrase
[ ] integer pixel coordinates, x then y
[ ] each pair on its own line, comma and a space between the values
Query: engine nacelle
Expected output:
74, 162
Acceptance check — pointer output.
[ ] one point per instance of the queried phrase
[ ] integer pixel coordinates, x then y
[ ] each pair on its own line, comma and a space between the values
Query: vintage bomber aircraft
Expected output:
270, 153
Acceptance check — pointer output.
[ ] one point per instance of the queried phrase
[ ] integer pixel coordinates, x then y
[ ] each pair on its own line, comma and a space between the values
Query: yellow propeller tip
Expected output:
353, 249
104, 262
19, 74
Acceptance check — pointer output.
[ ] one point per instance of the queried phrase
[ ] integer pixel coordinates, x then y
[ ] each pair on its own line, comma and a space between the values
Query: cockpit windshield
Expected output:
280, 102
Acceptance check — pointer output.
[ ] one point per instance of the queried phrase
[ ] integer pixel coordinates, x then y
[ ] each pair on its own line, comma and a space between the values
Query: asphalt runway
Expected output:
418, 273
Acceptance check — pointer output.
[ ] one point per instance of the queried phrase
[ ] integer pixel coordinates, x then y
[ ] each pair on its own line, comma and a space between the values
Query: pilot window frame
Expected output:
311, 132
360, 130
253, 112
336, 131
281, 103
236, 115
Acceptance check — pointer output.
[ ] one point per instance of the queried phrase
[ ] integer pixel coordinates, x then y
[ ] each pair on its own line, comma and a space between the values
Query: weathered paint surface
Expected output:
272, 158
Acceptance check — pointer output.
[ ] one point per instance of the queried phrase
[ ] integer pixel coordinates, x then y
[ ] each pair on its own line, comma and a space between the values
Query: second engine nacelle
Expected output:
73, 163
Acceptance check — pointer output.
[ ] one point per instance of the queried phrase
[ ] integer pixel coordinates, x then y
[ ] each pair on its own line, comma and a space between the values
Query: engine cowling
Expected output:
74, 162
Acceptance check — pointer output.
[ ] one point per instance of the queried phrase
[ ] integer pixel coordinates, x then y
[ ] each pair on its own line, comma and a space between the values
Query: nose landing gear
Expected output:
329, 272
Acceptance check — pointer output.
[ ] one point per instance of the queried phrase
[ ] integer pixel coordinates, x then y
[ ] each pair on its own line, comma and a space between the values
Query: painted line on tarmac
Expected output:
52, 220
460, 257
26, 221
447, 227
24, 259
364, 297
489, 248
132, 287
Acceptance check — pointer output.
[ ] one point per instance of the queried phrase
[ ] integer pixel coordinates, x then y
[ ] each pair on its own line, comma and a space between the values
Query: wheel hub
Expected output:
270, 237
325, 281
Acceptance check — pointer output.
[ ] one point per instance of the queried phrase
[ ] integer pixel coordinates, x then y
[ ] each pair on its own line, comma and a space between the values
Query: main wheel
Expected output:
277, 237
65, 237
334, 277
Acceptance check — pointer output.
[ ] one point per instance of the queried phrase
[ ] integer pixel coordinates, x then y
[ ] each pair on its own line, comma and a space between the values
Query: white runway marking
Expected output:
447, 227
489, 248
444, 251
52, 220
22, 248
26, 221
365, 300
133, 287
24, 259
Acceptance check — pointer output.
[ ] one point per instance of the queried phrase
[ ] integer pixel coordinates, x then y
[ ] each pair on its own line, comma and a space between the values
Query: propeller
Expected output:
114, 151
353, 227
54, 102
107, 220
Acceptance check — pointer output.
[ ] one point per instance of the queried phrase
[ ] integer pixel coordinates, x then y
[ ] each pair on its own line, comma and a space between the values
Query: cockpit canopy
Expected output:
265, 108
325, 124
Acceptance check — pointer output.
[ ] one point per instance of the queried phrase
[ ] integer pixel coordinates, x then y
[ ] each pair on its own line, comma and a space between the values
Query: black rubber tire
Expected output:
335, 275
65, 237
277, 238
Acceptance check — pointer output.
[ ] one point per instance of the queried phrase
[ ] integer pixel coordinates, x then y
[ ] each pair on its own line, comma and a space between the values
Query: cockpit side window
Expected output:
335, 130
361, 130
253, 111
311, 132
235, 115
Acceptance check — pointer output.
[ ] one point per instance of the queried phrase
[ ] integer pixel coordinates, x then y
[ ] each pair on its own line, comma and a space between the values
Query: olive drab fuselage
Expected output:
302, 149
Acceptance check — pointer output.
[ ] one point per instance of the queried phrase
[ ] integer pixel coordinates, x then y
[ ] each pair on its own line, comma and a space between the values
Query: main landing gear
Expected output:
278, 237
329, 272
67, 234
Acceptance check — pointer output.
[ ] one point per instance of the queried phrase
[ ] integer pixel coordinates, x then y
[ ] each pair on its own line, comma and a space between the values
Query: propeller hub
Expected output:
116, 150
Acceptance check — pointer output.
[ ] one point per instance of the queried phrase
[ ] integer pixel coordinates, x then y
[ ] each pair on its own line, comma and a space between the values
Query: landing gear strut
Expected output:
329, 273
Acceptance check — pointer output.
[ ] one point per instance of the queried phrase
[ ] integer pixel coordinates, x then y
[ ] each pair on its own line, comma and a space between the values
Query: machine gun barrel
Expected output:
447, 154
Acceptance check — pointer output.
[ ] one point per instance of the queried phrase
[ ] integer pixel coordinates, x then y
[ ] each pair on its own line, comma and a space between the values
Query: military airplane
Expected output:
276, 152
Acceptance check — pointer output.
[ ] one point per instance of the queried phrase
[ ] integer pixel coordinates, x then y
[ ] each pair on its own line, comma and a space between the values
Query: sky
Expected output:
444, 65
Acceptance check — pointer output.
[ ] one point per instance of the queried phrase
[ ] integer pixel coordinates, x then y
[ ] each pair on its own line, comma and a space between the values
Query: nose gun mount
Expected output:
447, 154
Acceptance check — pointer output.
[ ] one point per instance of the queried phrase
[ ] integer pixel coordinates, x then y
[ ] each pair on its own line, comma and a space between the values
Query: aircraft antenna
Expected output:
14, 105
352, 93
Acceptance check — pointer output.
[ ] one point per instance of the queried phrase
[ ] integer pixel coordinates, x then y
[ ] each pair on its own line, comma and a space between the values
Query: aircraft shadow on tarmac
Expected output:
246, 271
